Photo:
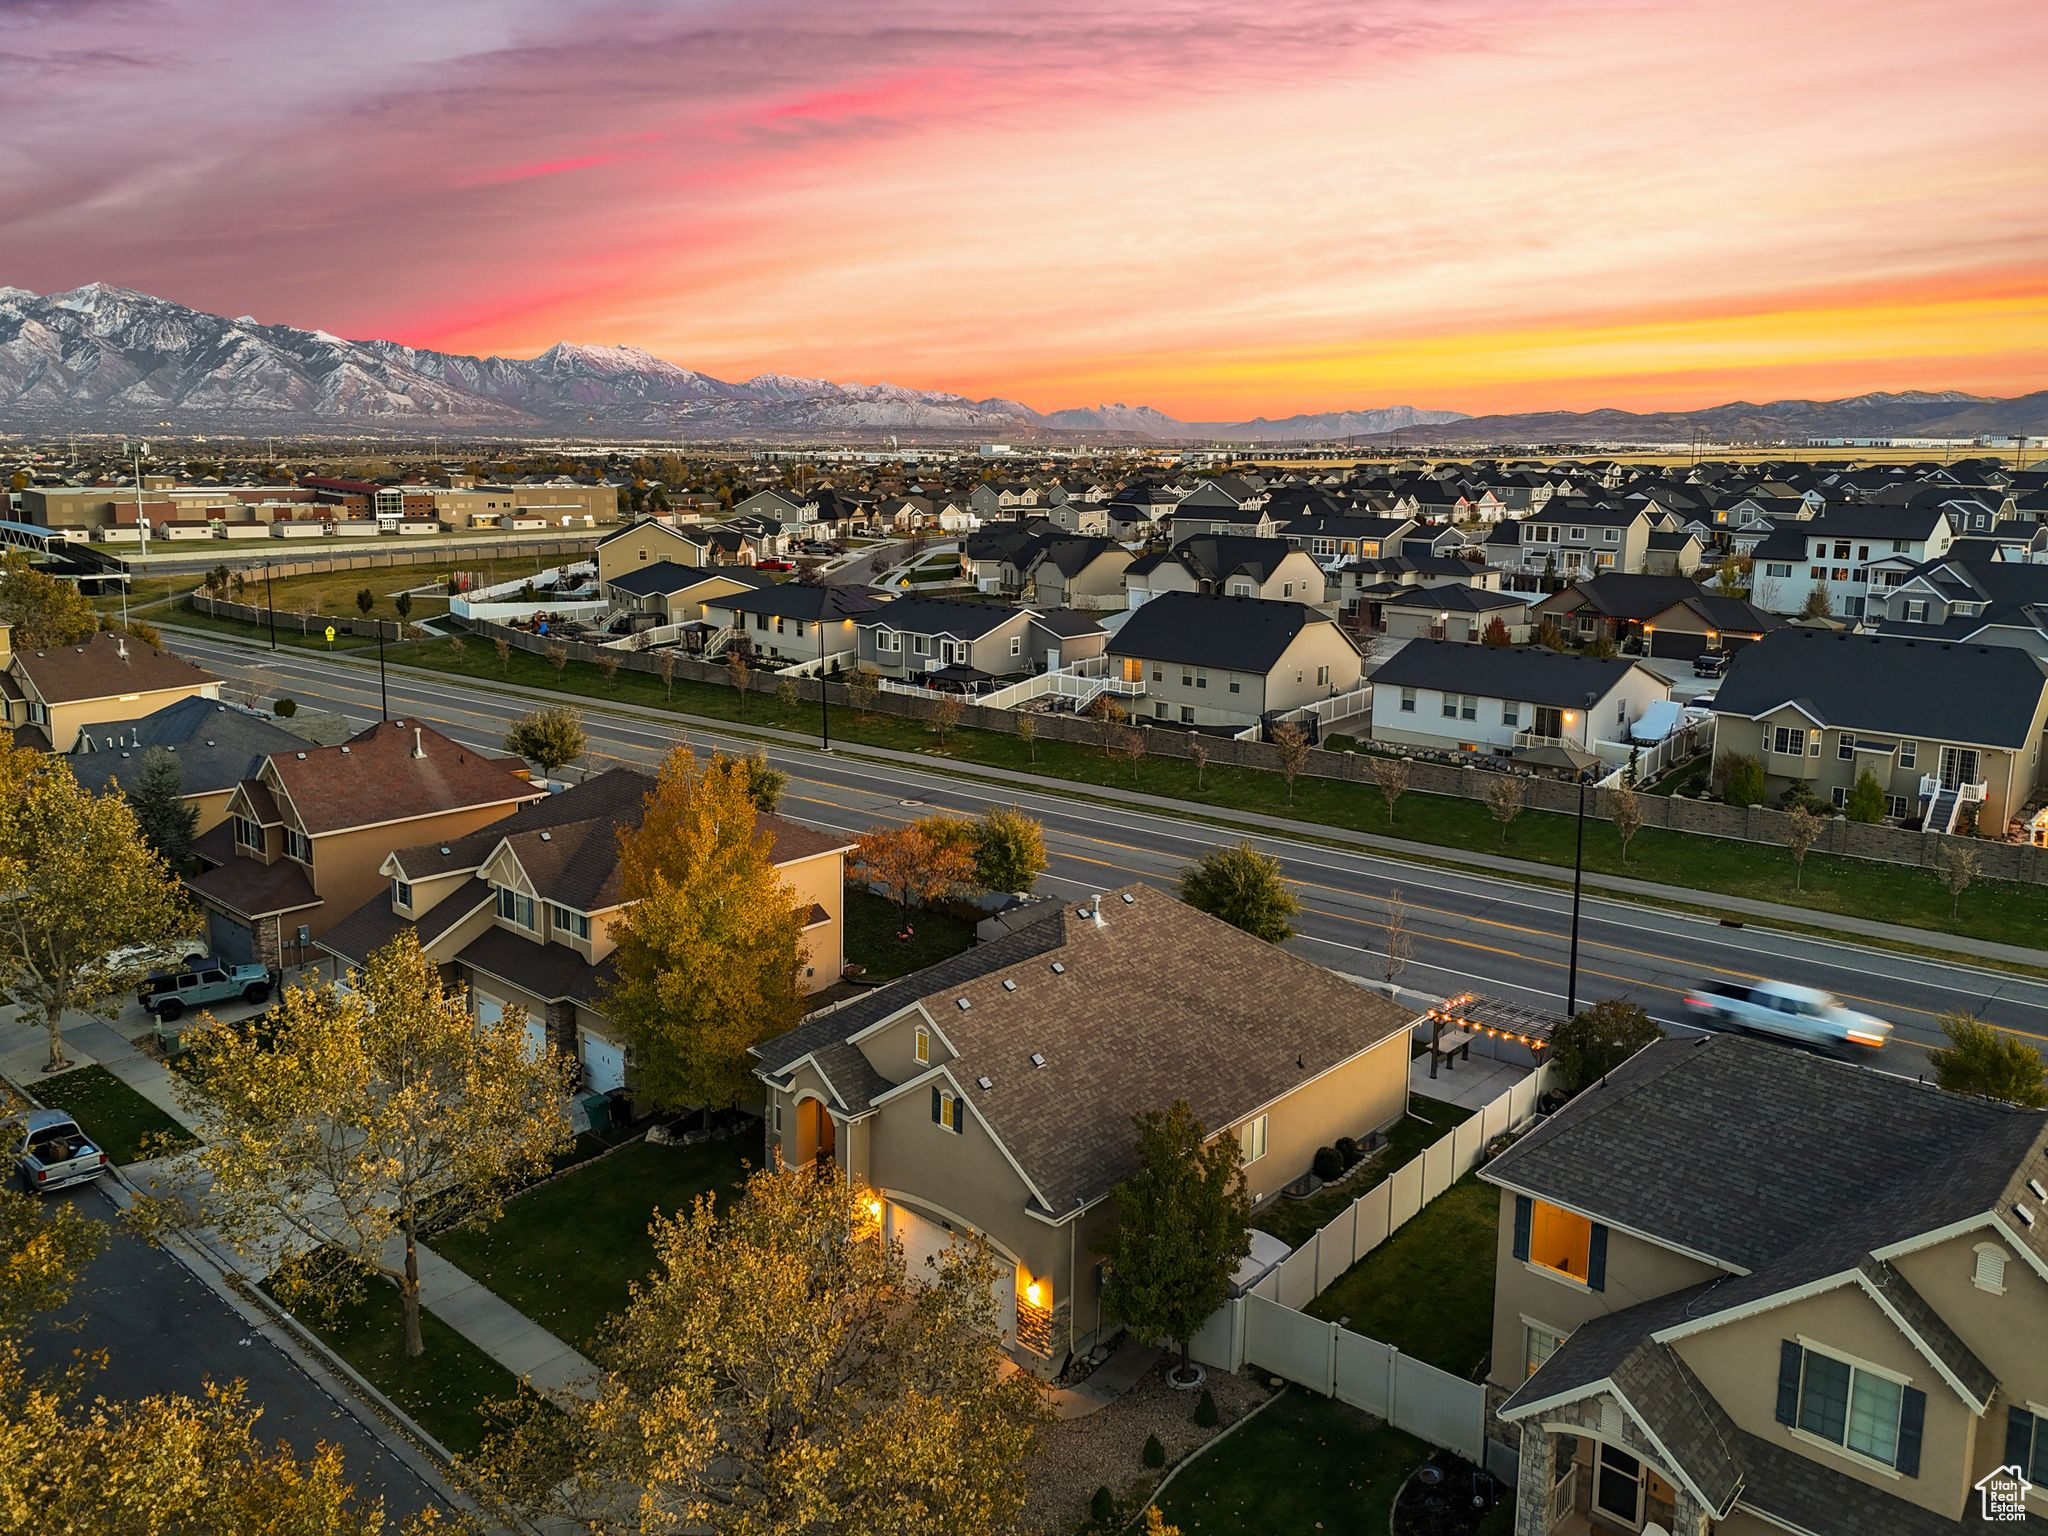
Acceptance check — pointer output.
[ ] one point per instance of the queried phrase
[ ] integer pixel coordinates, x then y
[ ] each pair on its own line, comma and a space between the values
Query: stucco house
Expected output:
1452, 611
216, 745
1475, 698
994, 1093
1225, 663
1229, 565
50, 695
792, 622
1724, 1302
1078, 571
944, 640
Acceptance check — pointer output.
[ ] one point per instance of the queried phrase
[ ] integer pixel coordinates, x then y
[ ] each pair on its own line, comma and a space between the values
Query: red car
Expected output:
774, 565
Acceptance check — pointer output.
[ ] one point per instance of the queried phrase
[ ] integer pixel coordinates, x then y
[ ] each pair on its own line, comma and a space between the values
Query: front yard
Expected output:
1294, 1222
566, 1252
1428, 1289
120, 1121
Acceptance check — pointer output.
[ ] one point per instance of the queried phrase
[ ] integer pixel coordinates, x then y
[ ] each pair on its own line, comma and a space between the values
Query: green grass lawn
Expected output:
120, 1121
872, 923
445, 1391
1428, 1289
184, 616
1306, 1464
1294, 1222
565, 1253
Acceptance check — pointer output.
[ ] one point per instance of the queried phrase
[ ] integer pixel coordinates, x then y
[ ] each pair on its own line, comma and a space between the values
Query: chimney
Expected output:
419, 747
1095, 911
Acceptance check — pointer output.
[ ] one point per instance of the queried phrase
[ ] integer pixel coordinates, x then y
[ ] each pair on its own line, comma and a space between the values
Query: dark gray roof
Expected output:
1806, 1495
2007, 588
1239, 634
1456, 597
938, 616
1529, 674
666, 576
216, 744
800, 600
1074, 553
1630, 594
1729, 613
1984, 694
1065, 622
1217, 556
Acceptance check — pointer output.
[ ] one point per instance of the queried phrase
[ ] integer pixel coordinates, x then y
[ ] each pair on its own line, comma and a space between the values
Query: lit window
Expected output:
1564, 1242
1251, 1140
947, 1112
924, 1046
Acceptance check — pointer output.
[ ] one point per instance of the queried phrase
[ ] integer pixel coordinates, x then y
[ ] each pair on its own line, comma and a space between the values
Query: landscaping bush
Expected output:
1155, 1453
1329, 1163
1205, 1410
284, 709
1349, 1149
1102, 1508
1741, 778
1800, 798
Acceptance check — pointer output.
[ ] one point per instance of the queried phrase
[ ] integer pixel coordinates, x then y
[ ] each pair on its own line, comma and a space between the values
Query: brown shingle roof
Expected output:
256, 890
375, 778
97, 669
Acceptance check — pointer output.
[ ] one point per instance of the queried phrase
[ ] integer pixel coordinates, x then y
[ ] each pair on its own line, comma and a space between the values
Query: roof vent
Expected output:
1037, 1060
344, 751
419, 747
962, 1004
2023, 1213
1058, 969
983, 1083
547, 837
446, 849
1129, 899
301, 756
2039, 1192
1009, 985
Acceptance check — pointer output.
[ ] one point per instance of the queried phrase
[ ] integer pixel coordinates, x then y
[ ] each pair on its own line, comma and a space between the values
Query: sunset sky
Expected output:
1215, 207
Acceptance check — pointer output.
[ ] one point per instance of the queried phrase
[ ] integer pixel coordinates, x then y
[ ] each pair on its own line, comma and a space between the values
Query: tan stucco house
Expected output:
1745, 1290
995, 1092
52, 694
1228, 662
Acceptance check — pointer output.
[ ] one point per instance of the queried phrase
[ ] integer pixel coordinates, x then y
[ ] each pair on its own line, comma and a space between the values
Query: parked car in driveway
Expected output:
1804, 1015
1710, 664
52, 1153
201, 980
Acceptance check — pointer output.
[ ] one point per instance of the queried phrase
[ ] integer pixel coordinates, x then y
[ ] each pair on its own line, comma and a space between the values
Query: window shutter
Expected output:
1912, 1413
1790, 1358
1596, 1259
2019, 1439
1525, 1215
938, 1110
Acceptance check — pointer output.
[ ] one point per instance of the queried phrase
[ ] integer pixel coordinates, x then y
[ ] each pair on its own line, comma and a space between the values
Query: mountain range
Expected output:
106, 358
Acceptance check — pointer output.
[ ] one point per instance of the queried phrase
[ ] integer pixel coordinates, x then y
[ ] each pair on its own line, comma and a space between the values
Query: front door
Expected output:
1618, 1485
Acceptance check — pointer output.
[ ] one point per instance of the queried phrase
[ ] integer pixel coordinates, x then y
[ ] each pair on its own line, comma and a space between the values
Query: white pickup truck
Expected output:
1800, 1014
51, 1152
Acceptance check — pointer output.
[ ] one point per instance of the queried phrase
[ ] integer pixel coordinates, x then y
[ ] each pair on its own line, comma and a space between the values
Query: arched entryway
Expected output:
816, 1135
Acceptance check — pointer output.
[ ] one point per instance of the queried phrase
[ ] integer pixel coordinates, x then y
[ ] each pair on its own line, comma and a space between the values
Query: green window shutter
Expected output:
1790, 1356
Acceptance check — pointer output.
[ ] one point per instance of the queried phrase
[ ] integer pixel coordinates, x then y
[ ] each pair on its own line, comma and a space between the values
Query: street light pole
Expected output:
383, 695
270, 602
824, 692
1571, 993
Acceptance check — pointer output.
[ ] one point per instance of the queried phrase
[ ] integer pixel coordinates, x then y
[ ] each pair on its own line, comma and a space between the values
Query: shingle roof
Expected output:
1456, 597
254, 889
1130, 1024
1218, 556
1985, 694
374, 778
1241, 634
665, 576
799, 600
216, 744
106, 666
939, 616
1529, 674
1631, 595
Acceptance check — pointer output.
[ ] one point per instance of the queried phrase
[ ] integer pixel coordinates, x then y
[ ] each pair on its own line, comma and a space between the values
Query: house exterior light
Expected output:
1033, 1293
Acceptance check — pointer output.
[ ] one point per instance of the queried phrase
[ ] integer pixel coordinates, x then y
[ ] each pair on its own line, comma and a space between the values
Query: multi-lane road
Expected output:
1468, 931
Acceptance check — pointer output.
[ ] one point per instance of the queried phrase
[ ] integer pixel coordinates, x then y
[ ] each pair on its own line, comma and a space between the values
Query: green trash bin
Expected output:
597, 1108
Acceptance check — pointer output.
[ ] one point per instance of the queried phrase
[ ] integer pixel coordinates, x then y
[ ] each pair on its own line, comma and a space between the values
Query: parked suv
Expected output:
200, 980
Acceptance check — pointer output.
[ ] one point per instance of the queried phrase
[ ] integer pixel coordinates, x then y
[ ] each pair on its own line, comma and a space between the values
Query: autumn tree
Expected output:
1183, 1223
1986, 1061
1958, 870
1550, 637
84, 898
1802, 830
503, 647
608, 661
1198, 754
763, 781
337, 1125
1009, 849
783, 1372
740, 670
1504, 799
787, 695
1291, 744
863, 687
665, 669
550, 737
557, 656
709, 953
1496, 634
1391, 774
1596, 1040
45, 612
918, 862
1027, 732
944, 718
1245, 888
167, 821
44, 1247
1129, 744
1625, 811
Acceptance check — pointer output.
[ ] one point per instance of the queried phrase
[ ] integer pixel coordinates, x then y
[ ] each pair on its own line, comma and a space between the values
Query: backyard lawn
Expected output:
120, 1121
1428, 1289
872, 923
1305, 1464
1295, 1221
565, 1252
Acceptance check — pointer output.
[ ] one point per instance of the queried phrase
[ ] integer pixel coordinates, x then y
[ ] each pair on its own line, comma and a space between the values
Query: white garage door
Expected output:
604, 1064
923, 1238
490, 1010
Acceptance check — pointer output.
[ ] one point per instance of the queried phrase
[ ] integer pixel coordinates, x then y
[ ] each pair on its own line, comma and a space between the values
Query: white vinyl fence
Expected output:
1267, 1328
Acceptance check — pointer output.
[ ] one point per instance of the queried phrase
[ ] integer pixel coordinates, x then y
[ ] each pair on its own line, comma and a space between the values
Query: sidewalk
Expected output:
508, 1336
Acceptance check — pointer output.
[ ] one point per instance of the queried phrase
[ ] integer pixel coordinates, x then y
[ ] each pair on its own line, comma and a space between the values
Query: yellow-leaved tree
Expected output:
44, 611
708, 954
85, 902
350, 1116
782, 1373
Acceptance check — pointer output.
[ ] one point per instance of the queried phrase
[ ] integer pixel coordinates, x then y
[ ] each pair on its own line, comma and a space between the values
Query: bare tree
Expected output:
458, 646
1958, 869
1626, 812
1802, 830
1400, 942
665, 668
1130, 746
558, 657
504, 649
786, 693
863, 686
741, 669
1110, 715
1391, 774
1198, 754
608, 666
1504, 799
1027, 732
945, 715
1291, 742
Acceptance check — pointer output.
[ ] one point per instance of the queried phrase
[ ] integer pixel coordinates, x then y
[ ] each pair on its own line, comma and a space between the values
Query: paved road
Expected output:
164, 1331
1470, 931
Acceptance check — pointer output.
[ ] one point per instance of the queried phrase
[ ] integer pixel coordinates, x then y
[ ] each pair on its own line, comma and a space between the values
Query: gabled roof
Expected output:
666, 577
106, 665
1072, 554
939, 616
1528, 674
397, 770
216, 744
1239, 634
1629, 595
1219, 556
1456, 597
800, 600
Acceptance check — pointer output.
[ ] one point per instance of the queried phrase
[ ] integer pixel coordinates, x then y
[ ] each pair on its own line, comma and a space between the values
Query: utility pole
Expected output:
383, 693
824, 686
270, 603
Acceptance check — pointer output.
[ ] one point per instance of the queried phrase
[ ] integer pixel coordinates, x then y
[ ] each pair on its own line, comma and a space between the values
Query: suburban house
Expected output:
793, 621
998, 558
522, 911
1478, 698
1078, 571
1358, 586
993, 1094
1939, 725
634, 546
1188, 521
306, 834
1967, 597
1227, 663
1452, 611
1674, 553
793, 509
1722, 1304
1347, 536
1847, 554
1233, 565
1613, 605
1572, 539
944, 641
52, 695
668, 593
1706, 621
217, 746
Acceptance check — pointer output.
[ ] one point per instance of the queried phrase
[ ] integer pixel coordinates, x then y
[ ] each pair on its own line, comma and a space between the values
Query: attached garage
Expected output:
490, 1010
228, 938
924, 1239
604, 1063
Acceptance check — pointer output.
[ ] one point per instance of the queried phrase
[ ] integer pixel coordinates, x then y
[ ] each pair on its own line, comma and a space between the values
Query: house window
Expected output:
1789, 741
1407, 701
1158, 676
515, 908
1578, 536
1539, 1343
1849, 1405
1846, 747
888, 640
1322, 677
1563, 1242
1240, 589
1987, 1270
1287, 589
1510, 714
1779, 569
2026, 1442
924, 1047
1611, 536
1187, 713
1916, 610
1909, 753
248, 834
1895, 806
1236, 686
1159, 710
1201, 679
297, 845
1251, 1140
577, 923
401, 894
946, 1111
921, 645
1016, 645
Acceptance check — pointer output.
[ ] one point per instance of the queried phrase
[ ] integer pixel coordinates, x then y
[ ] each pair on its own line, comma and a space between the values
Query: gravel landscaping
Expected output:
1106, 1448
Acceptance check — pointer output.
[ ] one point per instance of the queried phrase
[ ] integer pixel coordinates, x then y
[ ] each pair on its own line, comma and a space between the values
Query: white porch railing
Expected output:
1966, 794
1536, 739
720, 639
818, 666
646, 639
